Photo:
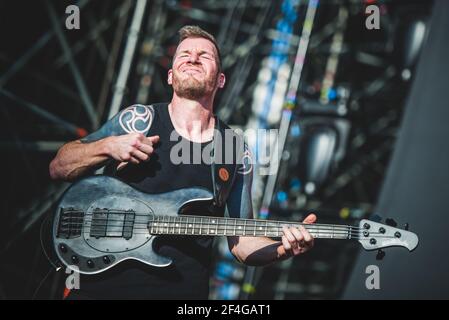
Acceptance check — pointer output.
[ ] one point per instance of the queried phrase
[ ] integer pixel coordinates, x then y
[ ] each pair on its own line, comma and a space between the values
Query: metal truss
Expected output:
81, 77
373, 108
63, 84
59, 64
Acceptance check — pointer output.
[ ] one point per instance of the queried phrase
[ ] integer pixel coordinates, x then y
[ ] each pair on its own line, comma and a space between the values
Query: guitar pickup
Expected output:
70, 223
112, 223
128, 225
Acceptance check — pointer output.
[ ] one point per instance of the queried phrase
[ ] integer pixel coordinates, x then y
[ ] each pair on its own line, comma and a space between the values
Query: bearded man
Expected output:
135, 146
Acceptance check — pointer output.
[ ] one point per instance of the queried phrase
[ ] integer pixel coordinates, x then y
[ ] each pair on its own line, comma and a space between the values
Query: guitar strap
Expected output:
226, 149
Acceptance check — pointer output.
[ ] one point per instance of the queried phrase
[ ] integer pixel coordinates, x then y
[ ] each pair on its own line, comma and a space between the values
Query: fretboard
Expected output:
218, 226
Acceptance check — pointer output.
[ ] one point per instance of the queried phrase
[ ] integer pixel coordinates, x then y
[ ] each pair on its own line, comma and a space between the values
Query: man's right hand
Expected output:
131, 148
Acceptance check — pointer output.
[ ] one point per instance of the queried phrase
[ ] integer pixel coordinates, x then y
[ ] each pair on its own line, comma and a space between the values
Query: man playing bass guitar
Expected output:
136, 147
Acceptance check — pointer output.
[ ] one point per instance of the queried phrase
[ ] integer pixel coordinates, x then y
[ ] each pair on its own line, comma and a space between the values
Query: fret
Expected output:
279, 229
330, 233
182, 224
239, 228
193, 225
244, 228
258, 226
220, 222
208, 228
226, 226
218, 225
198, 227
255, 227
211, 223
225, 223
167, 224
235, 225
266, 227
321, 233
187, 224
269, 227
173, 224
179, 224
211, 226
160, 225
201, 223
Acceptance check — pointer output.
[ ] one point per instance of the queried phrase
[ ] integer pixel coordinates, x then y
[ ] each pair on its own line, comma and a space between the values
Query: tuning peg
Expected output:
380, 254
391, 222
406, 226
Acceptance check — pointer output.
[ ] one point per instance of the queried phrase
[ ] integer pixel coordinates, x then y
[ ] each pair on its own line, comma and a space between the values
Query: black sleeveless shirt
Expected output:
188, 276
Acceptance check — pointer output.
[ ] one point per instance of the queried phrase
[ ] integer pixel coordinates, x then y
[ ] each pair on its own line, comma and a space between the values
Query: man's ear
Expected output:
170, 77
221, 80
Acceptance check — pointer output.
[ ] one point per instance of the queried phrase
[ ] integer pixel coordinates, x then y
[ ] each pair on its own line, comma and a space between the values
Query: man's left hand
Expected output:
297, 240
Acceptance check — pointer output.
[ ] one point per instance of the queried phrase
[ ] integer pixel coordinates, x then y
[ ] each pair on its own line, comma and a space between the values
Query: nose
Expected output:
193, 58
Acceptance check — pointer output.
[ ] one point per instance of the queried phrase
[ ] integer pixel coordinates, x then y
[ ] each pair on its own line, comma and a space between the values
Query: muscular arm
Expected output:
260, 251
122, 139
76, 159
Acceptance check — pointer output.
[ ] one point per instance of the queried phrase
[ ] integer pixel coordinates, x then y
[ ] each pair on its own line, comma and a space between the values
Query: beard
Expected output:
189, 87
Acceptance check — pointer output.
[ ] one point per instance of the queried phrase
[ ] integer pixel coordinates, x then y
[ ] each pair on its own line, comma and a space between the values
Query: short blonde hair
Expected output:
196, 32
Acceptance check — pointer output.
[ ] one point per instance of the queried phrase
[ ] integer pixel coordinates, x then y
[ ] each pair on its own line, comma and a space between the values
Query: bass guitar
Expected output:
101, 221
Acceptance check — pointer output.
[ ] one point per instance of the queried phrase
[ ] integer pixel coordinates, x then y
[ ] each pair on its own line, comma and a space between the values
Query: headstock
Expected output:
374, 235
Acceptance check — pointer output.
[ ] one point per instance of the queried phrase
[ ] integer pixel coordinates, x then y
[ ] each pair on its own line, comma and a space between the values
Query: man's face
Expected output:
195, 71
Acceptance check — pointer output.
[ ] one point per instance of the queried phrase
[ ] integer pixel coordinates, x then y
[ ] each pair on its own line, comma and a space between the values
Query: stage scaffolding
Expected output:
57, 85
